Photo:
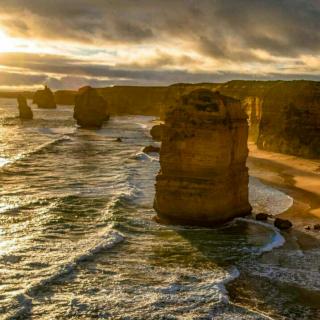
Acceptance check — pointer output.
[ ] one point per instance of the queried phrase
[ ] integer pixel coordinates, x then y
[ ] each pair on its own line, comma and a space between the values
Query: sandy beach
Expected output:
300, 179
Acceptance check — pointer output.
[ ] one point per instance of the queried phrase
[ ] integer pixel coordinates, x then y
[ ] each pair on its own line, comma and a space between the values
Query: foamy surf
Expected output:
106, 241
9, 161
22, 303
267, 199
233, 274
3, 161
277, 239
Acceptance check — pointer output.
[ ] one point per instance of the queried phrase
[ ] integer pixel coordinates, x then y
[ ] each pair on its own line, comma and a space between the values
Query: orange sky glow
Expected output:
118, 42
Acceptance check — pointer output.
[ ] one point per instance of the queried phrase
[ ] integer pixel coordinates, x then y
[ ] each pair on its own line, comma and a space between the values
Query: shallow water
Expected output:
78, 239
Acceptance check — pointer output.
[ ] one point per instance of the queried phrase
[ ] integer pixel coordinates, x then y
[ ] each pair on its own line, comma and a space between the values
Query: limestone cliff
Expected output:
134, 99
44, 99
65, 97
252, 105
290, 120
267, 100
203, 178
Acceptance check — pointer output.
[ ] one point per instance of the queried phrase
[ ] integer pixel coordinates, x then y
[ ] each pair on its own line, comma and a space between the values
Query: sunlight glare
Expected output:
6, 43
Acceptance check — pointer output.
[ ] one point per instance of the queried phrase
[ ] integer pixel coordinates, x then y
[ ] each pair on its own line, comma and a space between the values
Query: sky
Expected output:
67, 44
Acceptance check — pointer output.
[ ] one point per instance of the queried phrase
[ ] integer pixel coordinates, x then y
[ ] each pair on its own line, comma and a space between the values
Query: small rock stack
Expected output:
25, 111
203, 178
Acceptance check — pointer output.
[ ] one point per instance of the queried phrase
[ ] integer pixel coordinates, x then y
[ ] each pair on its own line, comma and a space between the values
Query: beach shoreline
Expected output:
300, 179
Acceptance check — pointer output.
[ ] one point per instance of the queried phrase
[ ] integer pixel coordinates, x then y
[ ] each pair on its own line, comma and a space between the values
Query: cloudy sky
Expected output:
71, 43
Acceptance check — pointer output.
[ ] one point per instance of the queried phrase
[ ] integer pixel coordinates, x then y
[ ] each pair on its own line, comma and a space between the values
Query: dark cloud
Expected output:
136, 77
226, 29
19, 79
58, 64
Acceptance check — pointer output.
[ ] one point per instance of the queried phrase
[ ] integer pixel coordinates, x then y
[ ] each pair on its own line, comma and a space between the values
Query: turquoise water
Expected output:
78, 239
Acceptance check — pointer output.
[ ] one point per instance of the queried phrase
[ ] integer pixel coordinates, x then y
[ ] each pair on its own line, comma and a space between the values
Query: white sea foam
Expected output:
153, 157
23, 302
104, 242
267, 199
233, 274
5, 162
277, 239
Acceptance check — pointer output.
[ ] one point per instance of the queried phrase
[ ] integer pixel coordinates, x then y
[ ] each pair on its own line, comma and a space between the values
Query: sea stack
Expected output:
91, 109
25, 111
203, 178
44, 99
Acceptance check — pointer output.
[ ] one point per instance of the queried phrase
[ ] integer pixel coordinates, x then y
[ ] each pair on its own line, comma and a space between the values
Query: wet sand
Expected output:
300, 179
280, 293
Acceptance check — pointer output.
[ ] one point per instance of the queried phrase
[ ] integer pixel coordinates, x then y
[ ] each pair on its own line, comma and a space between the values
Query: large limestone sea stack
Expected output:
45, 99
203, 178
91, 109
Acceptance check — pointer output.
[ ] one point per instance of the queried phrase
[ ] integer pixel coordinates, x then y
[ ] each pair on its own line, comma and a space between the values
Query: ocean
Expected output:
78, 239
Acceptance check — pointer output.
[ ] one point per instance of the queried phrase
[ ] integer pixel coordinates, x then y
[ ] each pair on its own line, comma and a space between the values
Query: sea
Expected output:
78, 238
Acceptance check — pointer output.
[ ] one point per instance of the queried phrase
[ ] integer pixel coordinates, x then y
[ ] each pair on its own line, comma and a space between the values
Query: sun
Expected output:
6, 43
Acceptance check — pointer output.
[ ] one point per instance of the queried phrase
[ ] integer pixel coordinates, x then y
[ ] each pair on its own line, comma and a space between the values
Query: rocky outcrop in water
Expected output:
282, 224
25, 111
44, 99
203, 178
91, 109
156, 132
151, 149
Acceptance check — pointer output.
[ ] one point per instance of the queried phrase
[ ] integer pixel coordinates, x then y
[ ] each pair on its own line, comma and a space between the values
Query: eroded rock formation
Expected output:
151, 149
290, 120
91, 109
267, 104
253, 108
25, 111
203, 178
44, 99
156, 132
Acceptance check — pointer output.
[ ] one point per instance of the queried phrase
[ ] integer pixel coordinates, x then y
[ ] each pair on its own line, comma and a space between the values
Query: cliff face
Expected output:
266, 103
252, 105
65, 97
203, 178
134, 100
291, 119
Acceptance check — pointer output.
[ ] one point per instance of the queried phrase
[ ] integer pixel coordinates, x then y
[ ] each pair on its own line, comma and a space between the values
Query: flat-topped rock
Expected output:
44, 99
91, 109
203, 178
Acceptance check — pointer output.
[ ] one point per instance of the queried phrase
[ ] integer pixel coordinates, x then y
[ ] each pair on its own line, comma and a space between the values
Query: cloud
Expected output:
19, 79
221, 27
191, 38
